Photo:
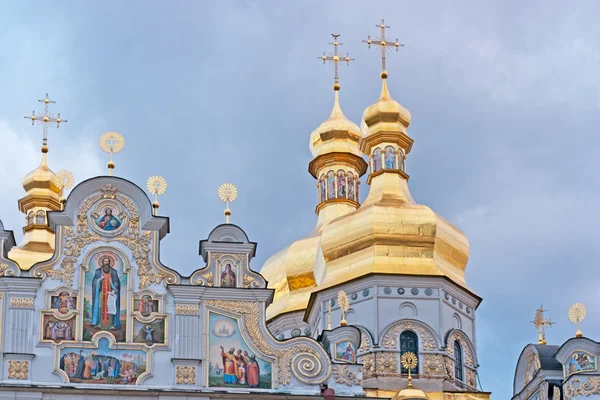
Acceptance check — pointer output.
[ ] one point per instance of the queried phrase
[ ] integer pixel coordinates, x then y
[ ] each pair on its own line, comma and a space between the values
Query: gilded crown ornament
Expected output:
384, 44
409, 361
227, 193
344, 303
540, 323
63, 180
46, 119
156, 185
577, 313
111, 143
335, 58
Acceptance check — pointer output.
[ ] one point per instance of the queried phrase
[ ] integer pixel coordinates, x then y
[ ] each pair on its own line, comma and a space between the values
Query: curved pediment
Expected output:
533, 359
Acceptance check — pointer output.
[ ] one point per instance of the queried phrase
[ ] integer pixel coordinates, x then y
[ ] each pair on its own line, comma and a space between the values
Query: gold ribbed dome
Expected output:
390, 233
41, 180
291, 271
410, 393
336, 134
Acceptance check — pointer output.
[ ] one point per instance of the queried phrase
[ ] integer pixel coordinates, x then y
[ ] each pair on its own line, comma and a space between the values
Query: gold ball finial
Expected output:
384, 74
336, 86
577, 313
44, 149
110, 165
227, 193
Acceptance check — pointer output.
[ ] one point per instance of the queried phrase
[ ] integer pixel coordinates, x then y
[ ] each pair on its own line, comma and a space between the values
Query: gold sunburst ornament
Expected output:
63, 180
227, 193
577, 313
156, 185
409, 361
344, 303
111, 143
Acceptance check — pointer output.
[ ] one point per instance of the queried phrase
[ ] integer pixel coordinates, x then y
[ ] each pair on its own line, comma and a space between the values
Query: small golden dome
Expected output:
41, 178
336, 135
410, 393
385, 115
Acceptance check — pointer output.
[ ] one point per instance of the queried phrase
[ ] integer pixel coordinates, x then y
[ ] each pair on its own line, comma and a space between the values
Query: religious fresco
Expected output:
102, 365
351, 186
149, 333
341, 184
56, 329
322, 188
104, 307
145, 305
108, 221
580, 361
63, 302
228, 278
345, 351
330, 185
377, 160
231, 362
390, 158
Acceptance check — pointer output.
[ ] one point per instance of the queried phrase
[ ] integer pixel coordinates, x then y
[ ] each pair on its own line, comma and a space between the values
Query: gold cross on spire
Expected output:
334, 58
46, 118
540, 323
383, 42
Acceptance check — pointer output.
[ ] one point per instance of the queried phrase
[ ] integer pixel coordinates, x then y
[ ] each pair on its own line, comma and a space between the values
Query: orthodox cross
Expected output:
540, 323
46, 118
334, 58
383, 42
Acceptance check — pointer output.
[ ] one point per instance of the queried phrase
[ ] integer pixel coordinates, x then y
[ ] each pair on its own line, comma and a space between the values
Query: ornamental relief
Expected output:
365, 340
115, 217
581, 387
386, 363
434, 365
426, 335
342, 375
466, 344
18, 369
533, 364
368, 362
300, 358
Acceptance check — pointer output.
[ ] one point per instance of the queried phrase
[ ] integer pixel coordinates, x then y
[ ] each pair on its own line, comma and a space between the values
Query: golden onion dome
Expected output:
41, 178
410, 393
335, 135
390, 233
386, 114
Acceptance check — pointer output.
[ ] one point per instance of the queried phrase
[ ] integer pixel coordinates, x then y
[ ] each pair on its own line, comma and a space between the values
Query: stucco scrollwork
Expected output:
342, 375
300, 359
466, 344
576, 387
471, 377
533, 364
185, 375
365, 340
368, 362
18, 369
426, 335
250, 282
434, 365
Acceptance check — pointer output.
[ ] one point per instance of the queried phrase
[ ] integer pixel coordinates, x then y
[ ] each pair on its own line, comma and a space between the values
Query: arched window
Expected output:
458, 361
409, 343
40, 217
341, 184
322, 188
330, 185
401, 161
30, 218
390, 158
377, 160
351, 186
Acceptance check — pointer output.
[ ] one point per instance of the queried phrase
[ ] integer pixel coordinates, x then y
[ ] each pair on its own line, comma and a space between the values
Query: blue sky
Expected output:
504, 97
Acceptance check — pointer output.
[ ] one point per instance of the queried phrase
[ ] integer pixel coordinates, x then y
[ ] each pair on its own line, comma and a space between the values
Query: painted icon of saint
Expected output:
377, 160
146, 306
350, 186
330, 185
228, 277
341, 183
106, 296
390, 158
108, 222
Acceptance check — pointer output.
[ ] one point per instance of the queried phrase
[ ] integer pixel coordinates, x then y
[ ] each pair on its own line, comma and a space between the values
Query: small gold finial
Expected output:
577, 313
156, 185
409, 361
335, 58
540, 323
329, 316
46, 118
111, 143
384, 43
227, 193
63, 180
344, 303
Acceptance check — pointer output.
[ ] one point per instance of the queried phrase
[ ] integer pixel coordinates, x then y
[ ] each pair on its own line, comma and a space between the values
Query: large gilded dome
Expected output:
390, 233
334, 145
